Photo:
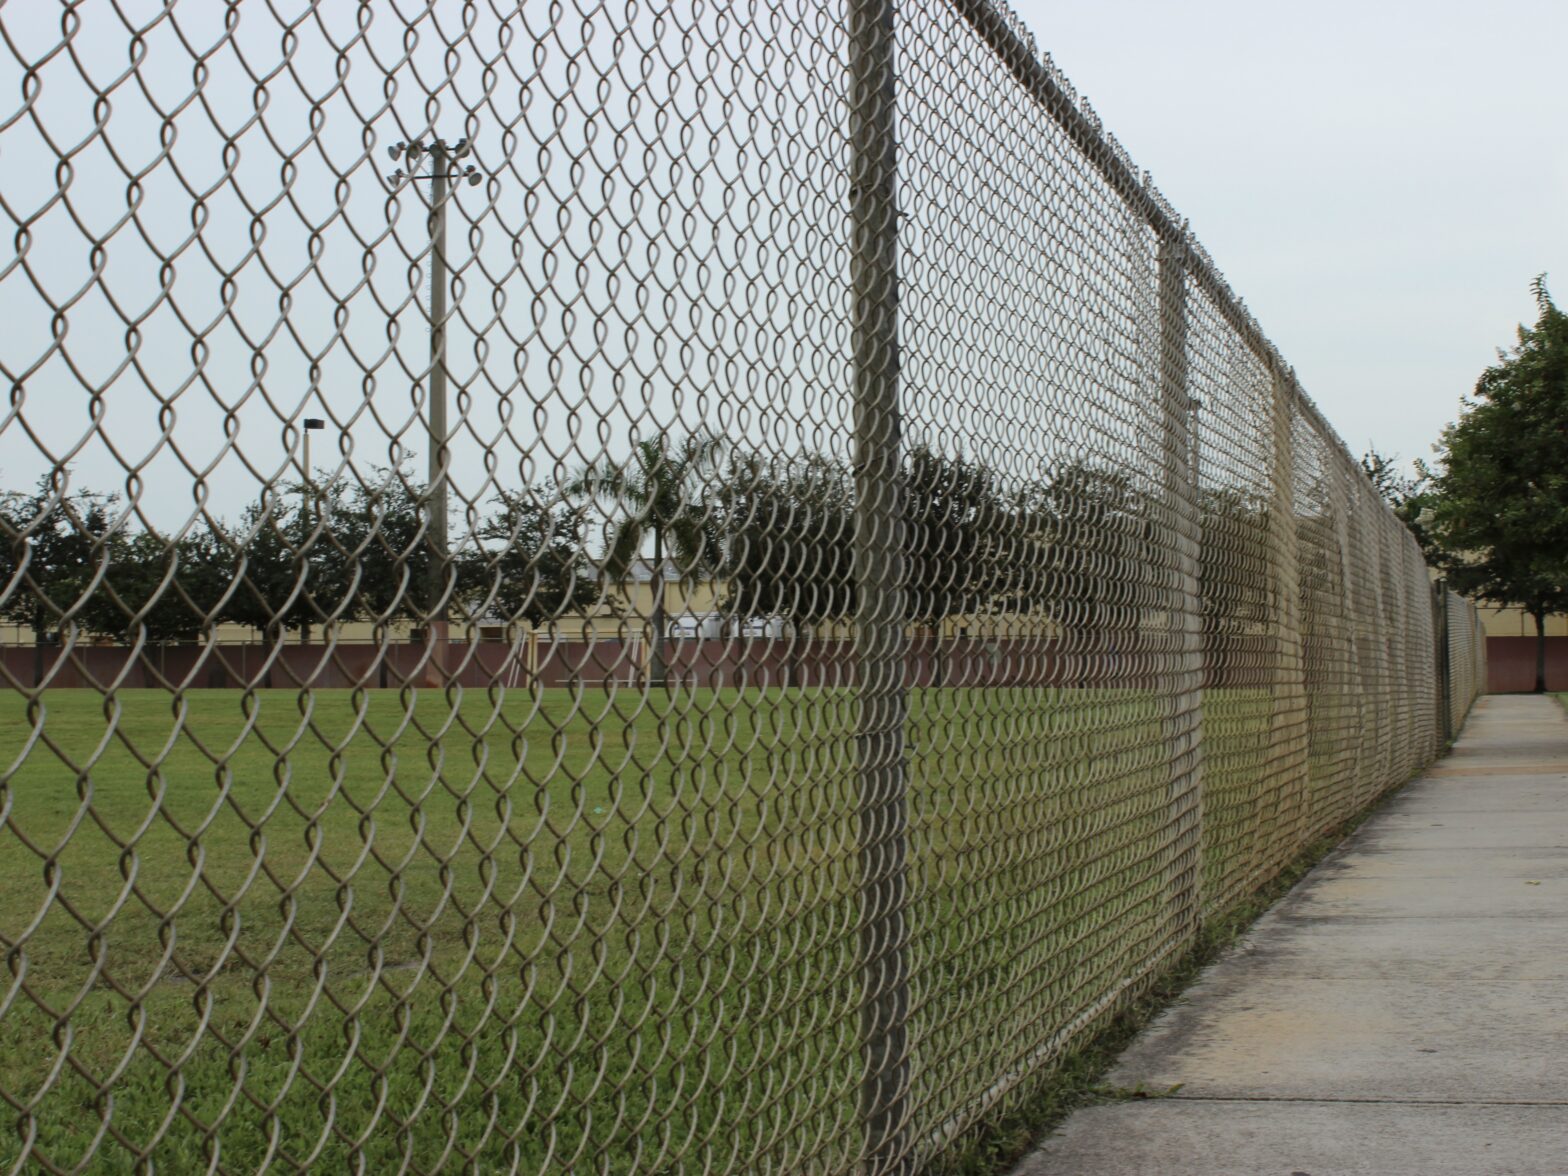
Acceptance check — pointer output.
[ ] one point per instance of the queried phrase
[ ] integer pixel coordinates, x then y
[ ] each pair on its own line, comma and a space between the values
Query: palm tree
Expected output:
660, 490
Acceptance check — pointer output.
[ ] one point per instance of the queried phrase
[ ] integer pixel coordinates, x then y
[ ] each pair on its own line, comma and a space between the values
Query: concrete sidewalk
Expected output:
1403, 1011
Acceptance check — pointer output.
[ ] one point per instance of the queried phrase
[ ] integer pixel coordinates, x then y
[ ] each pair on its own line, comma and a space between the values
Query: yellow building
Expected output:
1515, 622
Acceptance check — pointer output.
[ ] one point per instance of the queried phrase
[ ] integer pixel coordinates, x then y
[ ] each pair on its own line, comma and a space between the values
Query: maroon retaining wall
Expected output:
1510, 664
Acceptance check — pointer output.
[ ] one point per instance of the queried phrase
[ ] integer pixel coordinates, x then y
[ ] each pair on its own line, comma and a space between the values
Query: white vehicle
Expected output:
772, 627
717, 626
696, 626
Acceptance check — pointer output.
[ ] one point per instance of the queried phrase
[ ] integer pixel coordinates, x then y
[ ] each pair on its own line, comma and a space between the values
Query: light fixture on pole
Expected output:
442, 170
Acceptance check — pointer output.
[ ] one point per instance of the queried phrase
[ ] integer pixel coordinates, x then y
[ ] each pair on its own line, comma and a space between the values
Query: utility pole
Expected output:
443, 170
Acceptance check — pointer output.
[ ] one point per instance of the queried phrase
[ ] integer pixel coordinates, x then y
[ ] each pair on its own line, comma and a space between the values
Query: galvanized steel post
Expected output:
1442, 659
880, 642
1183, 879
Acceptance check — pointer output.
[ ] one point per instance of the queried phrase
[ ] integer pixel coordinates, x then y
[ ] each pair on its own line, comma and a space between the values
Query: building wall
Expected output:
1515, 622
1510, 650
1510, 664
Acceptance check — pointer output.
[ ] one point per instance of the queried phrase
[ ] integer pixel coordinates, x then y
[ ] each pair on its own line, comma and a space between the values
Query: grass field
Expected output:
554, 931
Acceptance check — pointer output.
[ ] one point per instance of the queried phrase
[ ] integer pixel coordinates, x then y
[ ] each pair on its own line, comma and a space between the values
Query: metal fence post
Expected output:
1442, 661
1289, 714
880, 641
1183, 726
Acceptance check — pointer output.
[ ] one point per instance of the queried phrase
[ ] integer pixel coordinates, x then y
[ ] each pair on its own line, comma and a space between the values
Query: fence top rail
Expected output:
1016, 49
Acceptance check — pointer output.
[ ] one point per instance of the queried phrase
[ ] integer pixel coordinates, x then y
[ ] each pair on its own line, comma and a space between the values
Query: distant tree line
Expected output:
290, 561
1085, 546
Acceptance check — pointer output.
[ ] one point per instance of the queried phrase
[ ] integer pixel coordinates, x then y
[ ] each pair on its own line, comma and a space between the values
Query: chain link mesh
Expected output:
808, 589
1465, 650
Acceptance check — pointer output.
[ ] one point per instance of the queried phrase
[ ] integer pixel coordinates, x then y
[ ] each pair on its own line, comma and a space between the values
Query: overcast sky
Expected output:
1379, 180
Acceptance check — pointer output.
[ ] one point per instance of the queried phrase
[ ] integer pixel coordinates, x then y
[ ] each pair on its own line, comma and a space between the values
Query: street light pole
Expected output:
443, 165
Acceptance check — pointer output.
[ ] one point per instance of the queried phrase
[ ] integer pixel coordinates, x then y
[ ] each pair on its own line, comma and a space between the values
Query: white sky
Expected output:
1380, 183
1379, 180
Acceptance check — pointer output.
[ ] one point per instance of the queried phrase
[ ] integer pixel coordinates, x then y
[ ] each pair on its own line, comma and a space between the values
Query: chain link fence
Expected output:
1462, 654
808, 590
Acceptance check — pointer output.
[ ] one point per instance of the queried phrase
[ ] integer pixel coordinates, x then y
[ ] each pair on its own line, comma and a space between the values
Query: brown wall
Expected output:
1510, 664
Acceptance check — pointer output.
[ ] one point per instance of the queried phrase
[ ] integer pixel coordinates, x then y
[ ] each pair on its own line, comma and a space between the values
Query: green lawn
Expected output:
555, 931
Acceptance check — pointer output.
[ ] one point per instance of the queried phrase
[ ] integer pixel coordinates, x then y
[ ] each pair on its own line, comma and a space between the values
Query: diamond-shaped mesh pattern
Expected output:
631, 587
1465, 649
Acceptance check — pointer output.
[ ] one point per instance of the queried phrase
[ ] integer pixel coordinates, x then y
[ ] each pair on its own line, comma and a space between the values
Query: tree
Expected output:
378, 535
658, 492
1405, 494
1081, 543
1392, 484
1498, 504
531, 563
290, 567
55, 552
73, 554
158, 589
1236, 577
783, 529
954, 519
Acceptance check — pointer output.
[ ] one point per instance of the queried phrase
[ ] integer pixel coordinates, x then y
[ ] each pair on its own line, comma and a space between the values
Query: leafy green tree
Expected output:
1407, 495
1393, 485
157, 589
1079, 543
258, 551
783, 528
657, 493
956, 560
1497, 508
530, 563
290, 566
56, 548
76, 555
526, 561
1236, 576
377, 535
